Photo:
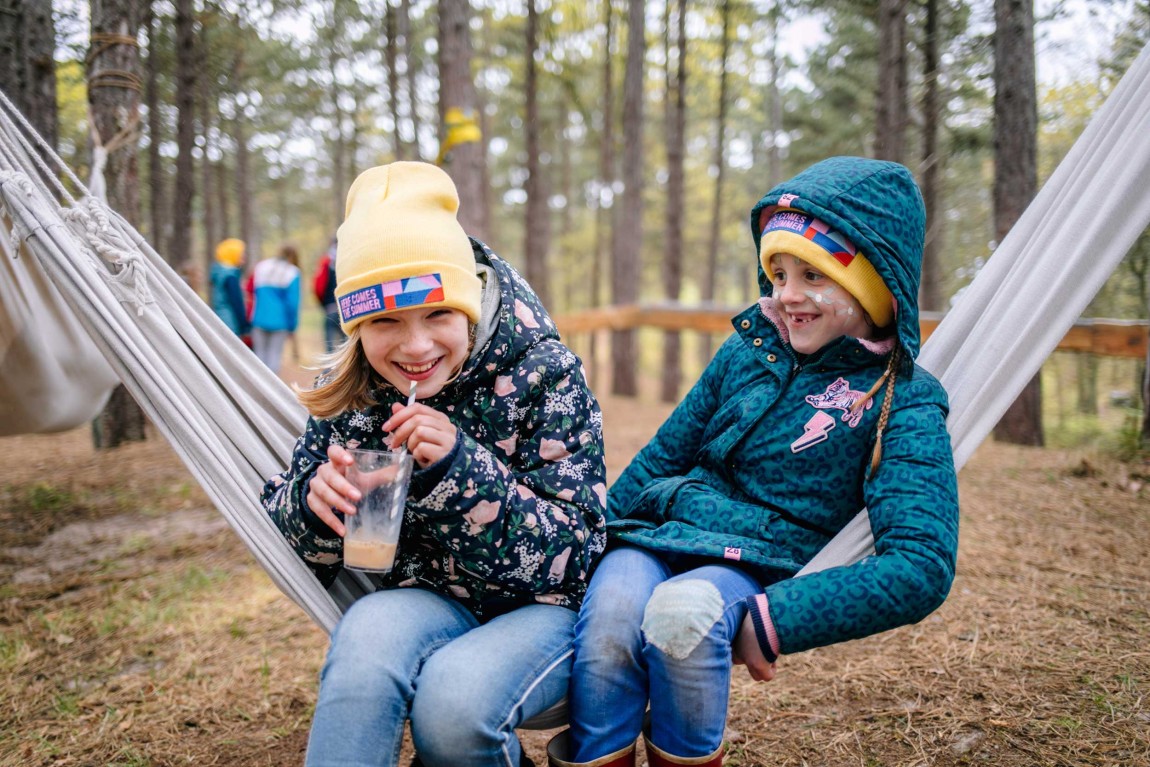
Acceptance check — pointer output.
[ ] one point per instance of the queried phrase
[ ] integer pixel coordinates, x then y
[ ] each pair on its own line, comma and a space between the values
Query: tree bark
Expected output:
187, 62
930, 288
157, 185
1016, 174
537, 224
207, 107
719, 162
391, 59
114, 86
463, 162
412, 73
891, 109
628, 243
676, 117
604, 202
28, 64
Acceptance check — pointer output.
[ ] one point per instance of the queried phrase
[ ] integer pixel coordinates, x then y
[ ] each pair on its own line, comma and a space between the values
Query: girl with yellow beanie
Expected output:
470, 634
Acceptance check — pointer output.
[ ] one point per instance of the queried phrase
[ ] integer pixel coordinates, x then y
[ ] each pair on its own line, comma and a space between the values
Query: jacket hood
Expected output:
512, 318
877, 205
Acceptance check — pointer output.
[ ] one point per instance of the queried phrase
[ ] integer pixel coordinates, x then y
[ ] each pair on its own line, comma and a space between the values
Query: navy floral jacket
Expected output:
514, 514
763, 462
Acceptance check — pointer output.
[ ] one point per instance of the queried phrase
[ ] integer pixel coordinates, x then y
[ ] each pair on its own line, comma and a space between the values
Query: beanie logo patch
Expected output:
834, 243
389, 296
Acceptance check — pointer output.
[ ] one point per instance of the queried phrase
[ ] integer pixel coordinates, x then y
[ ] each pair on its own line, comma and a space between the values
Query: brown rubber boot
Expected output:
559, 751
657, 757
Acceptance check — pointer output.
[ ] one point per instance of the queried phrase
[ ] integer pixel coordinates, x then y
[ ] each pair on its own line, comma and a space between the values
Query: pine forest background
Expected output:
251, 120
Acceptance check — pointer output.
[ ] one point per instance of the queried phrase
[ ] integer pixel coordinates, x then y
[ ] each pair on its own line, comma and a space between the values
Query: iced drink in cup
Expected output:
373, 531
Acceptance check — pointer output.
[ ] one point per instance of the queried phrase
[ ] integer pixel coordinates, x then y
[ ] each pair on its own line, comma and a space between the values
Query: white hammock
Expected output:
234, 423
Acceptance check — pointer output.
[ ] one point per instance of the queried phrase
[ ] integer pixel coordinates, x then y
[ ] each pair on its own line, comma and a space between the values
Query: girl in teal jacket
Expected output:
811, 411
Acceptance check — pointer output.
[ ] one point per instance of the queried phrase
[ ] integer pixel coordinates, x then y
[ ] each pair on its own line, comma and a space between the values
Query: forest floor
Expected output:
137, 630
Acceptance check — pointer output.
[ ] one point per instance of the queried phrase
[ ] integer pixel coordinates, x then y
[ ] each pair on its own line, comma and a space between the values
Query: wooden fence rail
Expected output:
1111, 338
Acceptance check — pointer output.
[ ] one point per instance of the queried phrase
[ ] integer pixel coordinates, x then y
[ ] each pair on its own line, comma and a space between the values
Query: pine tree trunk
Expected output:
1086, 377
711, 278
628, 244
114, 99
463, 162
537, 224
391, 59
157, 187
339, 180
891, 101
211, 225
604, 203
187, 62
40, 45
676, 119
930, 286
412, 73
1016, 175
774, 91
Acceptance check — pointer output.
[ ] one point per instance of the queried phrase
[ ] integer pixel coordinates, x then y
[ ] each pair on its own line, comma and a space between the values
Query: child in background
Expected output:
323, 287
471, 633
275, 305
227, 295
811, 411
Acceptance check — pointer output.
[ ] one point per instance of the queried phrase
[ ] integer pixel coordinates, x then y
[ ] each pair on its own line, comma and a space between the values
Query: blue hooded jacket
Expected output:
763, 462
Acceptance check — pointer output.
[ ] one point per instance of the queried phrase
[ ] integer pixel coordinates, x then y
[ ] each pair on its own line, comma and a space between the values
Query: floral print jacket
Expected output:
515, 513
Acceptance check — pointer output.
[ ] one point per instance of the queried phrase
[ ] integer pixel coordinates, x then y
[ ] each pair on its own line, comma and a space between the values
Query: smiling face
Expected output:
815, 308
427, 345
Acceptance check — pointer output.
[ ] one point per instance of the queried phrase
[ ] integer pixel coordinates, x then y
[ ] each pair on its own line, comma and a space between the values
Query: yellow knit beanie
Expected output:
400, 245
832, 253
230, 252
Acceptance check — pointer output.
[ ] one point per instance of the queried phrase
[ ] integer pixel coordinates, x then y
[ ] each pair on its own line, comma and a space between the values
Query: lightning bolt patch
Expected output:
814, 432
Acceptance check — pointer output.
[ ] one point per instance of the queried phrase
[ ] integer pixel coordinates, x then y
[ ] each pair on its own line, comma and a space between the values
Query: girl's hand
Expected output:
745, 649
428, 433
330, 489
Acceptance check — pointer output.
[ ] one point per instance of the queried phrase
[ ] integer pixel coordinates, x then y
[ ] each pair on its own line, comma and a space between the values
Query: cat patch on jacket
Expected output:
840, 396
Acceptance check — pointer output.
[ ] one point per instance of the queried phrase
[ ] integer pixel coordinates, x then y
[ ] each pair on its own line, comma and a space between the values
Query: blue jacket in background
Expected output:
276, 284
762, 464
228, 298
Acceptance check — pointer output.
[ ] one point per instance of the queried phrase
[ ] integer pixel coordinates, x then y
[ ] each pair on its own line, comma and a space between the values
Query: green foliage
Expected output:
43, 497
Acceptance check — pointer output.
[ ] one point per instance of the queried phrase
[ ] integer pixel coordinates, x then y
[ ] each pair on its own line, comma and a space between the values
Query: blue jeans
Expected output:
647, 633
408, 654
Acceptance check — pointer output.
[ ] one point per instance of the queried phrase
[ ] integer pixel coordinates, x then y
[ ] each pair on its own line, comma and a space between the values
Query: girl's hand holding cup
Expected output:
331, 490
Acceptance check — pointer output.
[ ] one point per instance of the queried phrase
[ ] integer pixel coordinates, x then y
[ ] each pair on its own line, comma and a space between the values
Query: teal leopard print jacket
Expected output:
514, 514
762, 463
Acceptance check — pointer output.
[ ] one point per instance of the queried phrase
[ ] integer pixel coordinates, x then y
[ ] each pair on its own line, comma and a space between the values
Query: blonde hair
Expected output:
888, 377
346, 386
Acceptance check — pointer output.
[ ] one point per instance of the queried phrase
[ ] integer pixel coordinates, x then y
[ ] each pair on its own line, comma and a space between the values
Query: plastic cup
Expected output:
373, 531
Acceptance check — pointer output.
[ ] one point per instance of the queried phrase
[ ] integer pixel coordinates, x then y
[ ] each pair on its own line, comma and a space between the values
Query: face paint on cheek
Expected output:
826, 298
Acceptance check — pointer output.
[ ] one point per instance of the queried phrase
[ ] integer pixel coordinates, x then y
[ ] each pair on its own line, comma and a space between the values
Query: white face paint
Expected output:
815, 308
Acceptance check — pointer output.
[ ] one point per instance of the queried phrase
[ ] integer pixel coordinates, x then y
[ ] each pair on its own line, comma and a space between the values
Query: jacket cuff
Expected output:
424, 481
764, 627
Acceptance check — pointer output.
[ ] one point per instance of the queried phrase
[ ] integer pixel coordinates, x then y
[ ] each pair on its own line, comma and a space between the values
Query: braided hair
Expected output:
888, 376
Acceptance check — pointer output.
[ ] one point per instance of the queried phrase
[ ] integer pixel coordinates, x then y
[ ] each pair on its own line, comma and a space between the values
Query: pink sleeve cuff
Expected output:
764, 627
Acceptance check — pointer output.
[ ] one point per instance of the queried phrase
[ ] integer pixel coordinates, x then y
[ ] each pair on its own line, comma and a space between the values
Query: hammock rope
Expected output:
234, 423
